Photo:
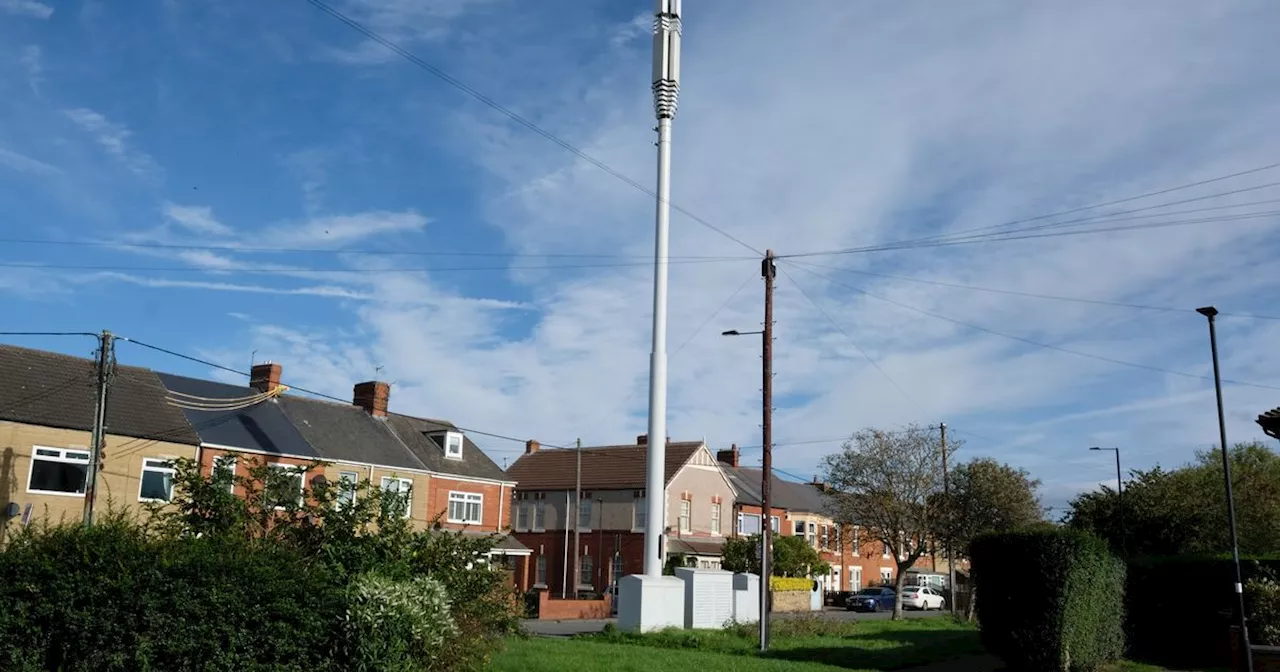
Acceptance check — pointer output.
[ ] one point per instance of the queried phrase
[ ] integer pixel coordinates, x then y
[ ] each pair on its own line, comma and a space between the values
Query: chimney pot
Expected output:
373, 396
265, 377
531, 446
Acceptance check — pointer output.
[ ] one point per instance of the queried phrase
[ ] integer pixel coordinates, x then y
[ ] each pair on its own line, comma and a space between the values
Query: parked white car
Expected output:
922, 597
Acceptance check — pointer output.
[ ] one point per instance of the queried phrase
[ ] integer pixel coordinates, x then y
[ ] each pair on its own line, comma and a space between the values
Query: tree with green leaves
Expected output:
792, 557
985, 496
887, 483
1183, 511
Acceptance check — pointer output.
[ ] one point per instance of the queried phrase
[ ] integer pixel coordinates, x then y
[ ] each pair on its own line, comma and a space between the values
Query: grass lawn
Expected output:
799, 644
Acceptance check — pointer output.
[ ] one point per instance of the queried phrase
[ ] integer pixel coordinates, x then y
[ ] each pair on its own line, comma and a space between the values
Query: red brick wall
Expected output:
554, 609
600, 546
495, 497
246, 461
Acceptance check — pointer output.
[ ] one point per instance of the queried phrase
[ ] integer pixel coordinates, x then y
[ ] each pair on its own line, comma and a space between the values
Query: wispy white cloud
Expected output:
403, 22
113, 137
197, 219
337, 230
33, 60
26, 164
331, 292
27, 8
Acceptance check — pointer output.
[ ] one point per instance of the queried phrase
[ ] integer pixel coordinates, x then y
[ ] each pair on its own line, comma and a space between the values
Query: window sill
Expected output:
144, 500
452, 521
55, 493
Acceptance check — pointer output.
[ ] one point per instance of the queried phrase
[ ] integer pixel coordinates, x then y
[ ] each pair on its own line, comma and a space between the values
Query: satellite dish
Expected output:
319, 481
12, 510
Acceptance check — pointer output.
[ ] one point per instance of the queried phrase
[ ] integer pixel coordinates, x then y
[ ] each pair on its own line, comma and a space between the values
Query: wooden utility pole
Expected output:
768, 269
946, 497
577, 521
104, 370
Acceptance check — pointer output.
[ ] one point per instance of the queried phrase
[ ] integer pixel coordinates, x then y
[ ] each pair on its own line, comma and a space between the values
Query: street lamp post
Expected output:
1210, 312
766, 518
1124, 545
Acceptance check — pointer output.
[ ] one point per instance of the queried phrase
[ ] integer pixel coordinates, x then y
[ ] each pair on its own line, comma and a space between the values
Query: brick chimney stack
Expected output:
265, 377
642, 440
373, 397
729, 457
531, 446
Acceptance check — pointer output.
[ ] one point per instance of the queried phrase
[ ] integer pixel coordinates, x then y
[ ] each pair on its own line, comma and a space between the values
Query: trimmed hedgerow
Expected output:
1181, 608
1049, 599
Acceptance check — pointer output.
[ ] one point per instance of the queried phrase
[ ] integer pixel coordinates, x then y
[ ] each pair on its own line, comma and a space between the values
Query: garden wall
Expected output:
555, 609
790, 600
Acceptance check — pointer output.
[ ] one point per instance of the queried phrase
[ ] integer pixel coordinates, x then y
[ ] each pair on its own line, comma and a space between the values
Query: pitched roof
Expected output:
418, 435
783, 494
262, 427
347, 433
603, 467
56, 390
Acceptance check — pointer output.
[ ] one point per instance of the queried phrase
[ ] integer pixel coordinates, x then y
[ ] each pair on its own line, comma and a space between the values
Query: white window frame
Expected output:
686, 516
540, 516
584, 506
160, 465
855, 571
295, 470
466, 499
742, 516
823, 538
224, 463
524, 516
400, 482
62, 458
886, 576
715, 518
449, 452
798, 528
640, 514
540, 572
586, 571
855, 541
347, 486
775, 524
884, 544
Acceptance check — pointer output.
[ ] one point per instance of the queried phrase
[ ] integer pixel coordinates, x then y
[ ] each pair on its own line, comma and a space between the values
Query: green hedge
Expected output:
110, 598
1049, 599
1180, 608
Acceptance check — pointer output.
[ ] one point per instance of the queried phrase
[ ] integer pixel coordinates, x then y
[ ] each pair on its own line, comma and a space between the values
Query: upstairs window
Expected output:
58, 472
347, 482
715, 519
641, 516
584, 513
453, 445
224, 471
284, 485
540, 516
686, 524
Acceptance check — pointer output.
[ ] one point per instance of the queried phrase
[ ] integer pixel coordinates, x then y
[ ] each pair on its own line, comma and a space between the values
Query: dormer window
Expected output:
453, 445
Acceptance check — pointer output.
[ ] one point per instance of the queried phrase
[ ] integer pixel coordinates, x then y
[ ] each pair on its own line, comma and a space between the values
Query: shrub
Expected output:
780, 583
397, 626
1262, 597
1180, 608
111, 598
1049, 599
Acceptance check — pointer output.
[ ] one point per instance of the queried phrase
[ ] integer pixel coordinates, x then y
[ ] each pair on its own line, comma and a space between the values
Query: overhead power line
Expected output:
1032, 295
849, 338
1028, 341
1106, 204
713, 315
511, 114
353, 251
1009, 235
994, 228
377, 270
47, 333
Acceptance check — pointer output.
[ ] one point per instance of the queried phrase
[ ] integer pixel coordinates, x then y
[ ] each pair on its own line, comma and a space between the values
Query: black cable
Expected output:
182, 356
491, 103
48, 333
258, 270
1107, 203
359, 251
1027, 340
868, 357
713, 315
1031, 295
1004, 236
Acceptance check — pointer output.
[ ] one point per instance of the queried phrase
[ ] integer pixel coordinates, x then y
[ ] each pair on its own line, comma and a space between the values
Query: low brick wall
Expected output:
555, 609
790, 600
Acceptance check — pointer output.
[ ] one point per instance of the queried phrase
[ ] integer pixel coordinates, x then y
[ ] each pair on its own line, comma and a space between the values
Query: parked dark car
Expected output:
877, 598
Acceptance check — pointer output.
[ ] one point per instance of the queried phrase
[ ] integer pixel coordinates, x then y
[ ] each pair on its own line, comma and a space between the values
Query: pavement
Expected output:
582, 627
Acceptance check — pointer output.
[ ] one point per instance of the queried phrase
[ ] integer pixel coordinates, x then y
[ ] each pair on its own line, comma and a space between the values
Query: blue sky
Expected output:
224, 126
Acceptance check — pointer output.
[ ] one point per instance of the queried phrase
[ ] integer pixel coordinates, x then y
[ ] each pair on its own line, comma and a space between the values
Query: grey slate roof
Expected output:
413, 432
261, 427
347, 433
788, 495
50, 389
